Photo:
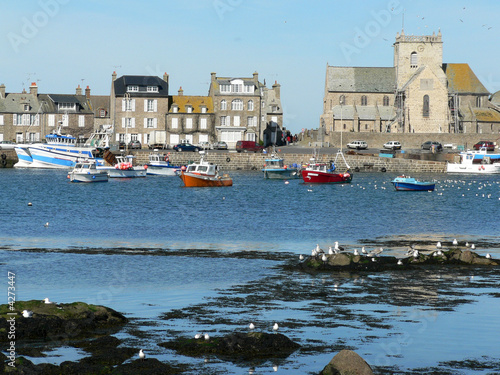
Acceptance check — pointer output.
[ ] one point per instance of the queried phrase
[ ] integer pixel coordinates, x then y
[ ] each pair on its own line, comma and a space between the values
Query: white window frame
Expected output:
189, 109
150, 105
225, 88
132, 88
65, 120
250, 105
189, 123
81, 121
1, 120
237, 105
150, 123
174, 139
203, 123
236, 121
223, 121
203, 109
175, 123
223, 105
152, 89
52, 120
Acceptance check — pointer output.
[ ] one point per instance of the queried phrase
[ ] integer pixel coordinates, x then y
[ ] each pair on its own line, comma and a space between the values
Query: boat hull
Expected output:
281, 174
473, 168
316, 177
23, 156
124, 173
57, 156
162, 170
404, 186
194, 180
88, 177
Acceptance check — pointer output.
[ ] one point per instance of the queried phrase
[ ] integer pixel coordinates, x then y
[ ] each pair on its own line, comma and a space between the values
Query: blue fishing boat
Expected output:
275, 168
407, 183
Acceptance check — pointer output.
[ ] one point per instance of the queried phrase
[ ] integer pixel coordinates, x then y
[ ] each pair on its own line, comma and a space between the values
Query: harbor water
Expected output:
178, 261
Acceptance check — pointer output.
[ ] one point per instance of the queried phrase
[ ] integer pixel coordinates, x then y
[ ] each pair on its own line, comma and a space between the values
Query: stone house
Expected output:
190, 118
138, 107
30, 116
243, 107
419, 94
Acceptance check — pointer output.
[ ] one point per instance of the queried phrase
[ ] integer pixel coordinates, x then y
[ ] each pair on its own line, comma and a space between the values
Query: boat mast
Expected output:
127, 104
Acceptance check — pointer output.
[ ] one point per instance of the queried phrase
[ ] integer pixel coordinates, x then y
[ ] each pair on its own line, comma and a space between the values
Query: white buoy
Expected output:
275, 327
251, 326
27, 314
29, 204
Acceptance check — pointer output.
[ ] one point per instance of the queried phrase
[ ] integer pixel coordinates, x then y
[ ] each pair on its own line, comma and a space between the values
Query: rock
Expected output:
467, 256
339, 260
149, 366
60, 321
347, 362
238, 345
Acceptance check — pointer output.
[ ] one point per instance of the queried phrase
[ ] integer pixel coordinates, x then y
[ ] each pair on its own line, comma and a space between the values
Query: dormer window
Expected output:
189, 109
66, 106
26, 107
203, 109
132, 88
175, 109
225, 88
152, 89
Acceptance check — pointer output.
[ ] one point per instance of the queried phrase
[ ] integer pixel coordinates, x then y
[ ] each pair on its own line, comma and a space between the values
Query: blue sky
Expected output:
66, 43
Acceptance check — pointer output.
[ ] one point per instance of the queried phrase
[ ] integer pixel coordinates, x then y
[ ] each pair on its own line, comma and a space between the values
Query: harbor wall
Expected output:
402, 163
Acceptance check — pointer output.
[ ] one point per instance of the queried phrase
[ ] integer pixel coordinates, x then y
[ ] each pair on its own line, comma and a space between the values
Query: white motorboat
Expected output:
476, 162
159, 164
86, 171
124, 168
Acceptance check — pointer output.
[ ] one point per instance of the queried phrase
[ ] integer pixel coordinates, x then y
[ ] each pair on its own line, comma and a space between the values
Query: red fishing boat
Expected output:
327, 173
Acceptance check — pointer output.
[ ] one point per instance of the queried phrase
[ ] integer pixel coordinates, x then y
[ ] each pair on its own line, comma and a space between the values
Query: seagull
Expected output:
438, 245
47, 301
337, 246
455, 242
251, 326
286, 182
323, 258
400, 262
466, 244
330, 251
356, 252
488, 256
46, 225
415, 254
313, 252
197, 336
439, 253
206, 336
27, 314
301, 257
363, 250
318, 249
472, 246
374, 260
142, 356
275, 327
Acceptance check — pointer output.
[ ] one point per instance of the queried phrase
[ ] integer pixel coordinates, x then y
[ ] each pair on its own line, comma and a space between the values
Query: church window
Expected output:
386, 101
426, 106
364, 100
478, 101
413, 60
342, 99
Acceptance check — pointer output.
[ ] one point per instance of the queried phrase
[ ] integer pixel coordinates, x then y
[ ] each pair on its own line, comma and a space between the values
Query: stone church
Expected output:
419, 94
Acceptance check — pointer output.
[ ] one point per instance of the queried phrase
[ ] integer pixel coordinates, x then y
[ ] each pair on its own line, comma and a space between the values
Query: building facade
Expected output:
138, 107
419, 94
30, 116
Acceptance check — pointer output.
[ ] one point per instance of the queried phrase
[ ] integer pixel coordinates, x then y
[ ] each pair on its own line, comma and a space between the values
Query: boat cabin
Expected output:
275, 163
58, 139
202, 168
320, 167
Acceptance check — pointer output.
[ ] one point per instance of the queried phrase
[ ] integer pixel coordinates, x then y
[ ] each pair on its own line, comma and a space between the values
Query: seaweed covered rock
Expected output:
347, 362
237, 345
373, 263
58, 321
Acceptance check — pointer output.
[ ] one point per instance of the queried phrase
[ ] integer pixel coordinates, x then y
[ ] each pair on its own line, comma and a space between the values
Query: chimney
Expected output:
34, 89
113, 76
256, 78
2, 91
87, 92
165, 77
78, 90
181, 91
277, 89
212, 75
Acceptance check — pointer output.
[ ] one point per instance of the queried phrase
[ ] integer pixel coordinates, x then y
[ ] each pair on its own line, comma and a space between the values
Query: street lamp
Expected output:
341, 102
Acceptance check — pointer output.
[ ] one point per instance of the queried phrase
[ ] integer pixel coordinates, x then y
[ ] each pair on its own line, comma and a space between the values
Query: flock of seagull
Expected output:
412, 251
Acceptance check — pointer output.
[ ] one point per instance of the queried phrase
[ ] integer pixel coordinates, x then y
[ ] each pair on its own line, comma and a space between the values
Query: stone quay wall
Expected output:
402, 163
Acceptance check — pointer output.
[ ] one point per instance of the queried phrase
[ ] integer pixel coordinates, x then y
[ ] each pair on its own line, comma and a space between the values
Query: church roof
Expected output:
462, 80
360, 79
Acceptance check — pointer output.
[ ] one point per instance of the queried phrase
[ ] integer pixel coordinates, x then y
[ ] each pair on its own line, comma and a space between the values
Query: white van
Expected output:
358, 145
393, 145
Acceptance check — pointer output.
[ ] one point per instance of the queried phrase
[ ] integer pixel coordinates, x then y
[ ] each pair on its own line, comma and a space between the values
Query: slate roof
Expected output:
387, 113
354, 79
462, 80
366, 112
99, 101
14, 103
347, 112
195, 101
121, 83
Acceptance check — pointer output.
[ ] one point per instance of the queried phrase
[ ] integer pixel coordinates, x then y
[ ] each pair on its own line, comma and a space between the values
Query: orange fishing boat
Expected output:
204, 174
